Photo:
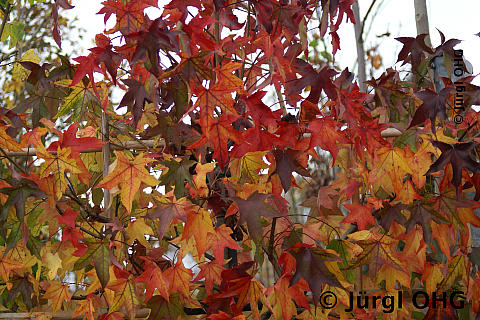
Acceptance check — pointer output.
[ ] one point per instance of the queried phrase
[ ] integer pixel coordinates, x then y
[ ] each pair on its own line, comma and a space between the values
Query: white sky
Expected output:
454, 19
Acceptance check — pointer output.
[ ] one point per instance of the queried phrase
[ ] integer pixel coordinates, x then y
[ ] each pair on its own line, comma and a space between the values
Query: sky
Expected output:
454, 19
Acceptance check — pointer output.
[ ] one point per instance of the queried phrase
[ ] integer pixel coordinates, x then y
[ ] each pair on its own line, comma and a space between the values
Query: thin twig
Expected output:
6, 155
365, 17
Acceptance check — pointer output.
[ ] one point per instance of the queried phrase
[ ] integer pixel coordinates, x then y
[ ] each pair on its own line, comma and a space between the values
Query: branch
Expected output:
138, 145
106, 163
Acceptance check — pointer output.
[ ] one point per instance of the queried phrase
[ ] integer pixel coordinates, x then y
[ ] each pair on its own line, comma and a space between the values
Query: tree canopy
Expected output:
171, 201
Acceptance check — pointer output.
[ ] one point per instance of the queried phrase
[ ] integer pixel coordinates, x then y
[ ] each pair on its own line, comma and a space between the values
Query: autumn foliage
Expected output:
201, 162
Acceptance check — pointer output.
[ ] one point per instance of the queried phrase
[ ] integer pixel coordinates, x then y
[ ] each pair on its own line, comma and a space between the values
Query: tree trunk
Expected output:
421, 19
362, 75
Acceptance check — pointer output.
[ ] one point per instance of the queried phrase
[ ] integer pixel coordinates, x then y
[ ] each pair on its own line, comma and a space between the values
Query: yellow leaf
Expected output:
58, 164
137, 230
248, 165
20, 73
53, 263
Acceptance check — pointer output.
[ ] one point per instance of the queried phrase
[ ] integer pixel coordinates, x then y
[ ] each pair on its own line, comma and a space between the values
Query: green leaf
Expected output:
163, 309
176, 175
101, 261
14, 30
34, 245
14, 236
87, 258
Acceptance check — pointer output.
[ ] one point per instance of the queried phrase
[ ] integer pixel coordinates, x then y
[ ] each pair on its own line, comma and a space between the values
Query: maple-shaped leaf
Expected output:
87, 66
178, 278
284, 307
18, 193
178, 172
251, 210
412, 49
433, 106
421, 214
327, 135
7, 265
130, 16
69, 139
128, 175
134, 99
459, 156
377, 251
318, 81
310, 262
447, 204
103, 53
8, 142
58, 163
391, 213
124, 288
360, 214
68, 218
219, 132
154, 279
286, 163
166, 212
162, 309
150, 42
64, 4
446, 46
88, 307
58, 292
211, 271
219, 240
25, 288
198, 225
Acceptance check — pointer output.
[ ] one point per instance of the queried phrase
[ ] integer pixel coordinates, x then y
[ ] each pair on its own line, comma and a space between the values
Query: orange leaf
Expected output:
154, 279
7, 265
128, 174
178, 278
199, 225
7, 142
212, 272
58, 292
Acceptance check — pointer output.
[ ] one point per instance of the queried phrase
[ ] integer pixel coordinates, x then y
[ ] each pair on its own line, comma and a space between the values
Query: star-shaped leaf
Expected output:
311, 267
251, 210
434, 105
458, 155
128, 174
286, 164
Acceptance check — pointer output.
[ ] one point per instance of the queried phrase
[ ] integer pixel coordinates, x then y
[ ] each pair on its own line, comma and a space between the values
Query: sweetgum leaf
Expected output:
434, 105
136, 95
311, 267
412, 49
286, 164
251, 210
422, 214
458, 155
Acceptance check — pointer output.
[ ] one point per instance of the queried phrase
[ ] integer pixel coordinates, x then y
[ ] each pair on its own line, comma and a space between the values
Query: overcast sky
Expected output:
456, 19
